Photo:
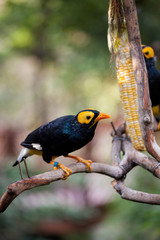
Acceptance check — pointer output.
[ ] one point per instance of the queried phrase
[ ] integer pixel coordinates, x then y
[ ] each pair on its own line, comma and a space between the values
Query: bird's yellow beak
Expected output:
102, 116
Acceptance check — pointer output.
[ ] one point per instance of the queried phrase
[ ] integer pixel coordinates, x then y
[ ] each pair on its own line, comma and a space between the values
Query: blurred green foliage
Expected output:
66, 40
54, 60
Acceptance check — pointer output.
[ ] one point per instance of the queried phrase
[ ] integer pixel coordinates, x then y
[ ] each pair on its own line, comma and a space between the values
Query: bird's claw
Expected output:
65, 169
79, 159
86, 162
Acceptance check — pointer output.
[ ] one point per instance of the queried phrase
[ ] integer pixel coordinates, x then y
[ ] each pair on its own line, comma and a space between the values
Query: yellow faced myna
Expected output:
60, 137
154, 80
153, 74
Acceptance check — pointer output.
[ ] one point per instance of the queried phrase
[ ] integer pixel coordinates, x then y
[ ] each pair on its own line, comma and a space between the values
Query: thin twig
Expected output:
114, 129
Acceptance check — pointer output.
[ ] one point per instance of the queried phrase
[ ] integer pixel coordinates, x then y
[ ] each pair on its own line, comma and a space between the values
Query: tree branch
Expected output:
133, 195
132, 156
121, 167
16, 188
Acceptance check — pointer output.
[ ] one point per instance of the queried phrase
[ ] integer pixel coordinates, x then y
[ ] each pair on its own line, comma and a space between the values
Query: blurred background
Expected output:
54, 61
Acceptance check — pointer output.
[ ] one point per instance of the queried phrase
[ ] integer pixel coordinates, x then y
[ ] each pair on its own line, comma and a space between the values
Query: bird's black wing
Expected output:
33, 141
61, 137
53, 138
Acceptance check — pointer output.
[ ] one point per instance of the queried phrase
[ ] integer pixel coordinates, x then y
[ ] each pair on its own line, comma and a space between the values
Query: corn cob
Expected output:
128, 93
118, 44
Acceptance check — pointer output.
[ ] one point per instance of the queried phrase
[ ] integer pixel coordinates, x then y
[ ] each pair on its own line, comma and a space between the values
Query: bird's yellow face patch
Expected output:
148, 52
85, 117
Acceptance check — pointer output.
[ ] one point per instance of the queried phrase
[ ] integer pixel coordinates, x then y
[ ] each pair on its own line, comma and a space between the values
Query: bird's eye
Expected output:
85, 117
88, 117
148, 52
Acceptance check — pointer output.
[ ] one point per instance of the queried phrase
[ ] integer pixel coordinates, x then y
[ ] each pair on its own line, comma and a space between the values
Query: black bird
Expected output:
60, 137
154, 79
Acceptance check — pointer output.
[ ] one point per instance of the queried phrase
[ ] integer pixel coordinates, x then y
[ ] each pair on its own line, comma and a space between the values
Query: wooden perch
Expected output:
145, 114
130, 159
135, 157
140, 73
16, 188
135, 196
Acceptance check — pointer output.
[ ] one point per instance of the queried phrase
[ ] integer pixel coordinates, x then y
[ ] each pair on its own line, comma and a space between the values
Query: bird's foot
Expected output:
79, 159
52, 162
66, 170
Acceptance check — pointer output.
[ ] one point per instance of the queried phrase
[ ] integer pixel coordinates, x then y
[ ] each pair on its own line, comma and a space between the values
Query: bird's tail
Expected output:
23, 154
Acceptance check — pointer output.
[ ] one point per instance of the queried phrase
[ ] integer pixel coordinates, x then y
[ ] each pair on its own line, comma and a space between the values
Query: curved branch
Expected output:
132, 156
130, 159
122, 166
16, 188
133, 195
141, 159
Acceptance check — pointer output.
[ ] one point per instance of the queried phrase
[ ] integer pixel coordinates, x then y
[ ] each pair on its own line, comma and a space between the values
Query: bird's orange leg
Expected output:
79, 159
52, 162
57, 165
